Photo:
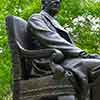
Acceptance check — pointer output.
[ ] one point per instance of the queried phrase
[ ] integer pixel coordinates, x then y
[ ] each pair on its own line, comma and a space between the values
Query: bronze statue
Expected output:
48, 33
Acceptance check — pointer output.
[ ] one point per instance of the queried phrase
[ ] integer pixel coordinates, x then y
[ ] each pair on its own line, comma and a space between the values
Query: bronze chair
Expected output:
27, 84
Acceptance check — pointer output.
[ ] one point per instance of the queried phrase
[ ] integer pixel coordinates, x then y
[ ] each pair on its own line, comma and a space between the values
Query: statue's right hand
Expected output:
59, 71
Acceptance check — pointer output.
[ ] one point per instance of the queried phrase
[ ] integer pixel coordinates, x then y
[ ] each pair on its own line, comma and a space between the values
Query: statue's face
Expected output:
52, 6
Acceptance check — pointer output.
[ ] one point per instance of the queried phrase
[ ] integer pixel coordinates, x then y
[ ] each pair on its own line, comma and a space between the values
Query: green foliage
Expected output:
92, 7
70, 9
34, 7
86, 32
88, 40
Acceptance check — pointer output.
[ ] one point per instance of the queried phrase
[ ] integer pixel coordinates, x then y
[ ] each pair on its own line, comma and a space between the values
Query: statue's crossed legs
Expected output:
80, 65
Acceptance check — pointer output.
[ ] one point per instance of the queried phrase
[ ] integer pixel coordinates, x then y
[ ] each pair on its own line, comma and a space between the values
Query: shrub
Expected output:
69, 9
86, 32
92, 7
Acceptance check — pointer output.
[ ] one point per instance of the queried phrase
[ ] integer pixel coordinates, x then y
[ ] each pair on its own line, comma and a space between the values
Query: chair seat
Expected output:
46, 86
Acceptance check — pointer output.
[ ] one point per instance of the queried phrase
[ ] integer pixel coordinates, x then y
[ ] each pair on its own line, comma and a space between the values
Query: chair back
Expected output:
17, 28
17, 31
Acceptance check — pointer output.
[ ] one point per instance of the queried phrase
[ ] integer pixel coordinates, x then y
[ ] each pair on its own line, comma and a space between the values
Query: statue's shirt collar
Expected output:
51, 19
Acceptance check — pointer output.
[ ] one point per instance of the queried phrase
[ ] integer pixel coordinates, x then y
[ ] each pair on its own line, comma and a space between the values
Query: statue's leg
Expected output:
86, 69
93, 67
70, 97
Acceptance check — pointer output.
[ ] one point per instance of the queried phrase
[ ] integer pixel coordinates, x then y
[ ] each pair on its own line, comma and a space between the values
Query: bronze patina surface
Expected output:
46, 63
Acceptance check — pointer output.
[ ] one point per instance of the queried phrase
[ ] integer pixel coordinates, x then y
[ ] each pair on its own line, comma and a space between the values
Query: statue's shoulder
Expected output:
36, 16
37, 22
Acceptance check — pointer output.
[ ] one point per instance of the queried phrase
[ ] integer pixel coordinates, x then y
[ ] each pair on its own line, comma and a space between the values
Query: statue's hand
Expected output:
59, 72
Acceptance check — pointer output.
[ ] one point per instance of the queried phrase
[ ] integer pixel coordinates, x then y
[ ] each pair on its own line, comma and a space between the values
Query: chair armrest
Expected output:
54, 54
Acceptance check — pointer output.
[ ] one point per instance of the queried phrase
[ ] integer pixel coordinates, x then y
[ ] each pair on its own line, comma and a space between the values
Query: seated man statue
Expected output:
48, 33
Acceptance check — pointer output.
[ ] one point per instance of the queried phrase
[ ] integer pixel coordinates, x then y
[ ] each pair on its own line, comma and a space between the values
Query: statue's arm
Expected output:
51, 39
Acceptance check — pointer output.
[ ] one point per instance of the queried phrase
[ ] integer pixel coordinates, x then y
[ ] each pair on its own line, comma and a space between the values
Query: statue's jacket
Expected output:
51, 34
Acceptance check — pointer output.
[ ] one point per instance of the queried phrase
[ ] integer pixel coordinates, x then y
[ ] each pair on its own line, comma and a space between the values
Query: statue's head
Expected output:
51, 6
